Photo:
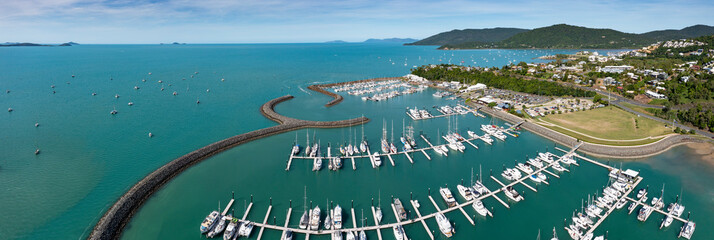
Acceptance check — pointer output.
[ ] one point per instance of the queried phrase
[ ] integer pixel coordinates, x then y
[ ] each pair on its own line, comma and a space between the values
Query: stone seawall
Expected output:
115, 219
598, 149
338, 98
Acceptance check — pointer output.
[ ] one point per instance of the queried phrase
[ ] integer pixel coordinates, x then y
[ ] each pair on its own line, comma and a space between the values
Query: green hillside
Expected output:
688, 32
486, 35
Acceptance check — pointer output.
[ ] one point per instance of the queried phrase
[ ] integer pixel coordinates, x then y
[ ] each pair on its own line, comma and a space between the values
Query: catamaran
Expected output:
245, 229
687, 230
219, 227
317, 164
305, 219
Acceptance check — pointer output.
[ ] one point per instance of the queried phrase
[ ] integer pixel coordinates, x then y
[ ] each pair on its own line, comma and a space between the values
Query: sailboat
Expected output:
378, 211
362, 234
363, 145
305, 219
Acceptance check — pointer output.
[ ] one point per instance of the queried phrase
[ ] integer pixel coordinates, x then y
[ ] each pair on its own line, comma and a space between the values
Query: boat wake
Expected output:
305, 91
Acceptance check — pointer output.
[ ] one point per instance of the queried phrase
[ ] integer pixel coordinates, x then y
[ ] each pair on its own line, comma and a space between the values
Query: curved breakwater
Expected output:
113, 221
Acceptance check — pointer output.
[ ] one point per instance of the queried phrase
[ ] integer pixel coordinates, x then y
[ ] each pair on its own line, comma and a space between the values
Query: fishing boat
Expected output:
245, 229
401, 212
479, 207
465, 192
399, 233
337, 217
447, 196
210, 221
444, 225
231, 230
315, 218
687, 230
219, 227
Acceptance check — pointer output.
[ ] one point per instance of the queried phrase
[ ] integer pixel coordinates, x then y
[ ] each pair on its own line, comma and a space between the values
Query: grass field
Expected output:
637, 108
608, 125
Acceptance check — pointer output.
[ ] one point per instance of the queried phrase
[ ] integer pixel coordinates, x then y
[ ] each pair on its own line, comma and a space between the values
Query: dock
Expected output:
287, 219
612, 208
408, 157
425, 155
265, 220
426, 227
290, 161
228, 207
354, 166
470, 143
247, 210
376, 223
390, 159
354, 221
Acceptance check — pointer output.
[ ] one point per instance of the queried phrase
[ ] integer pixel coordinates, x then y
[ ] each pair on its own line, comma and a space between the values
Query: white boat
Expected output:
535, 178
480, 188
444, 225
378, 214
231, 229
336, 235
315, 218
363, 146
304, 220
317, 164
377, 159
220, 226
621, 203
399, 233
512, 194
541, 176
295, 150
641, 193
350, 235
525, 168
447, 196
287, 235
687, 230
328, 221
401, 212
555, 235
558, 167
210, 221
465, 192
362, 235
245, 229
480, 208
337, 217
535, 163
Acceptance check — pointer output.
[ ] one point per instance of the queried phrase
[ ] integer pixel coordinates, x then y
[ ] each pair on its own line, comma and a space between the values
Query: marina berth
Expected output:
401, 212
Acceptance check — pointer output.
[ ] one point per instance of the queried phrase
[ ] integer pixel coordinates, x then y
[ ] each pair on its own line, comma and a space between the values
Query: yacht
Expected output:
337, 217
558, 167
525, 168
317, 164
541, 176
378, 214
480, 188
399, 233
447, 196
315, 218
644, 213
362, 235
512, 194
304, 220
231, 230
287, 235
555, 235
350, 235
567, 160
641, 193
465, 192
220, 226
535, 163
337, 163
385, 146
444, 225
328, 221
480, 208
363, 146
401, 212
535, 178
687, 230
621, 203
245, 229
392, 148
210, 221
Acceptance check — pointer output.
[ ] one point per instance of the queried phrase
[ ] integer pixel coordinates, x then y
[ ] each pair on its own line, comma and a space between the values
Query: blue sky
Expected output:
265, 21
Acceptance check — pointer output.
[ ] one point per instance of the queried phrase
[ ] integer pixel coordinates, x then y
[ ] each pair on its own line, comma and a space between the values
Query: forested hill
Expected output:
575, 37
486, 35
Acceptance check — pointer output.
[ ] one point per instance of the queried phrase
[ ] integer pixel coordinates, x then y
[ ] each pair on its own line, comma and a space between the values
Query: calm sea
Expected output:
89, 157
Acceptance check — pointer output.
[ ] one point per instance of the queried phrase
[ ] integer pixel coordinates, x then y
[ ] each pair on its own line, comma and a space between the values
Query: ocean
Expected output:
89, 157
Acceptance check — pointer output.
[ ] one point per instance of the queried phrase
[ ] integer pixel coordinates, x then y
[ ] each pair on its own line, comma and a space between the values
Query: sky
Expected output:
296, 21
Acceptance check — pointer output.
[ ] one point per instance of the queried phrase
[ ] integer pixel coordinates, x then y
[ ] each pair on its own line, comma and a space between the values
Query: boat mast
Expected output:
392, 140
304, 203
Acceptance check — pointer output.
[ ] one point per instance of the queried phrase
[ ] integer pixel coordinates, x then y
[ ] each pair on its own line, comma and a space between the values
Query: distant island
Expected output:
378, 40
560, 36
391, 40
26, 44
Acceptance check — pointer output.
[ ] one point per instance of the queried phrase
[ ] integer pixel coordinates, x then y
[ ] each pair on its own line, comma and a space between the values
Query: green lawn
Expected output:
609, 123
637, 108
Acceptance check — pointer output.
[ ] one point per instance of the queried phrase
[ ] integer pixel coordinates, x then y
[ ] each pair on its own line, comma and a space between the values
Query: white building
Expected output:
655, 95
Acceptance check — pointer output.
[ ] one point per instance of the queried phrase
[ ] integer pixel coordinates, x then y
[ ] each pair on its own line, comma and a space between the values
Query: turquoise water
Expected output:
89, 157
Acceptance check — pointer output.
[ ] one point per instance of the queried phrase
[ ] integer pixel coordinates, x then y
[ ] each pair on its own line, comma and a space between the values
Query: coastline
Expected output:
598, 150
112, 223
